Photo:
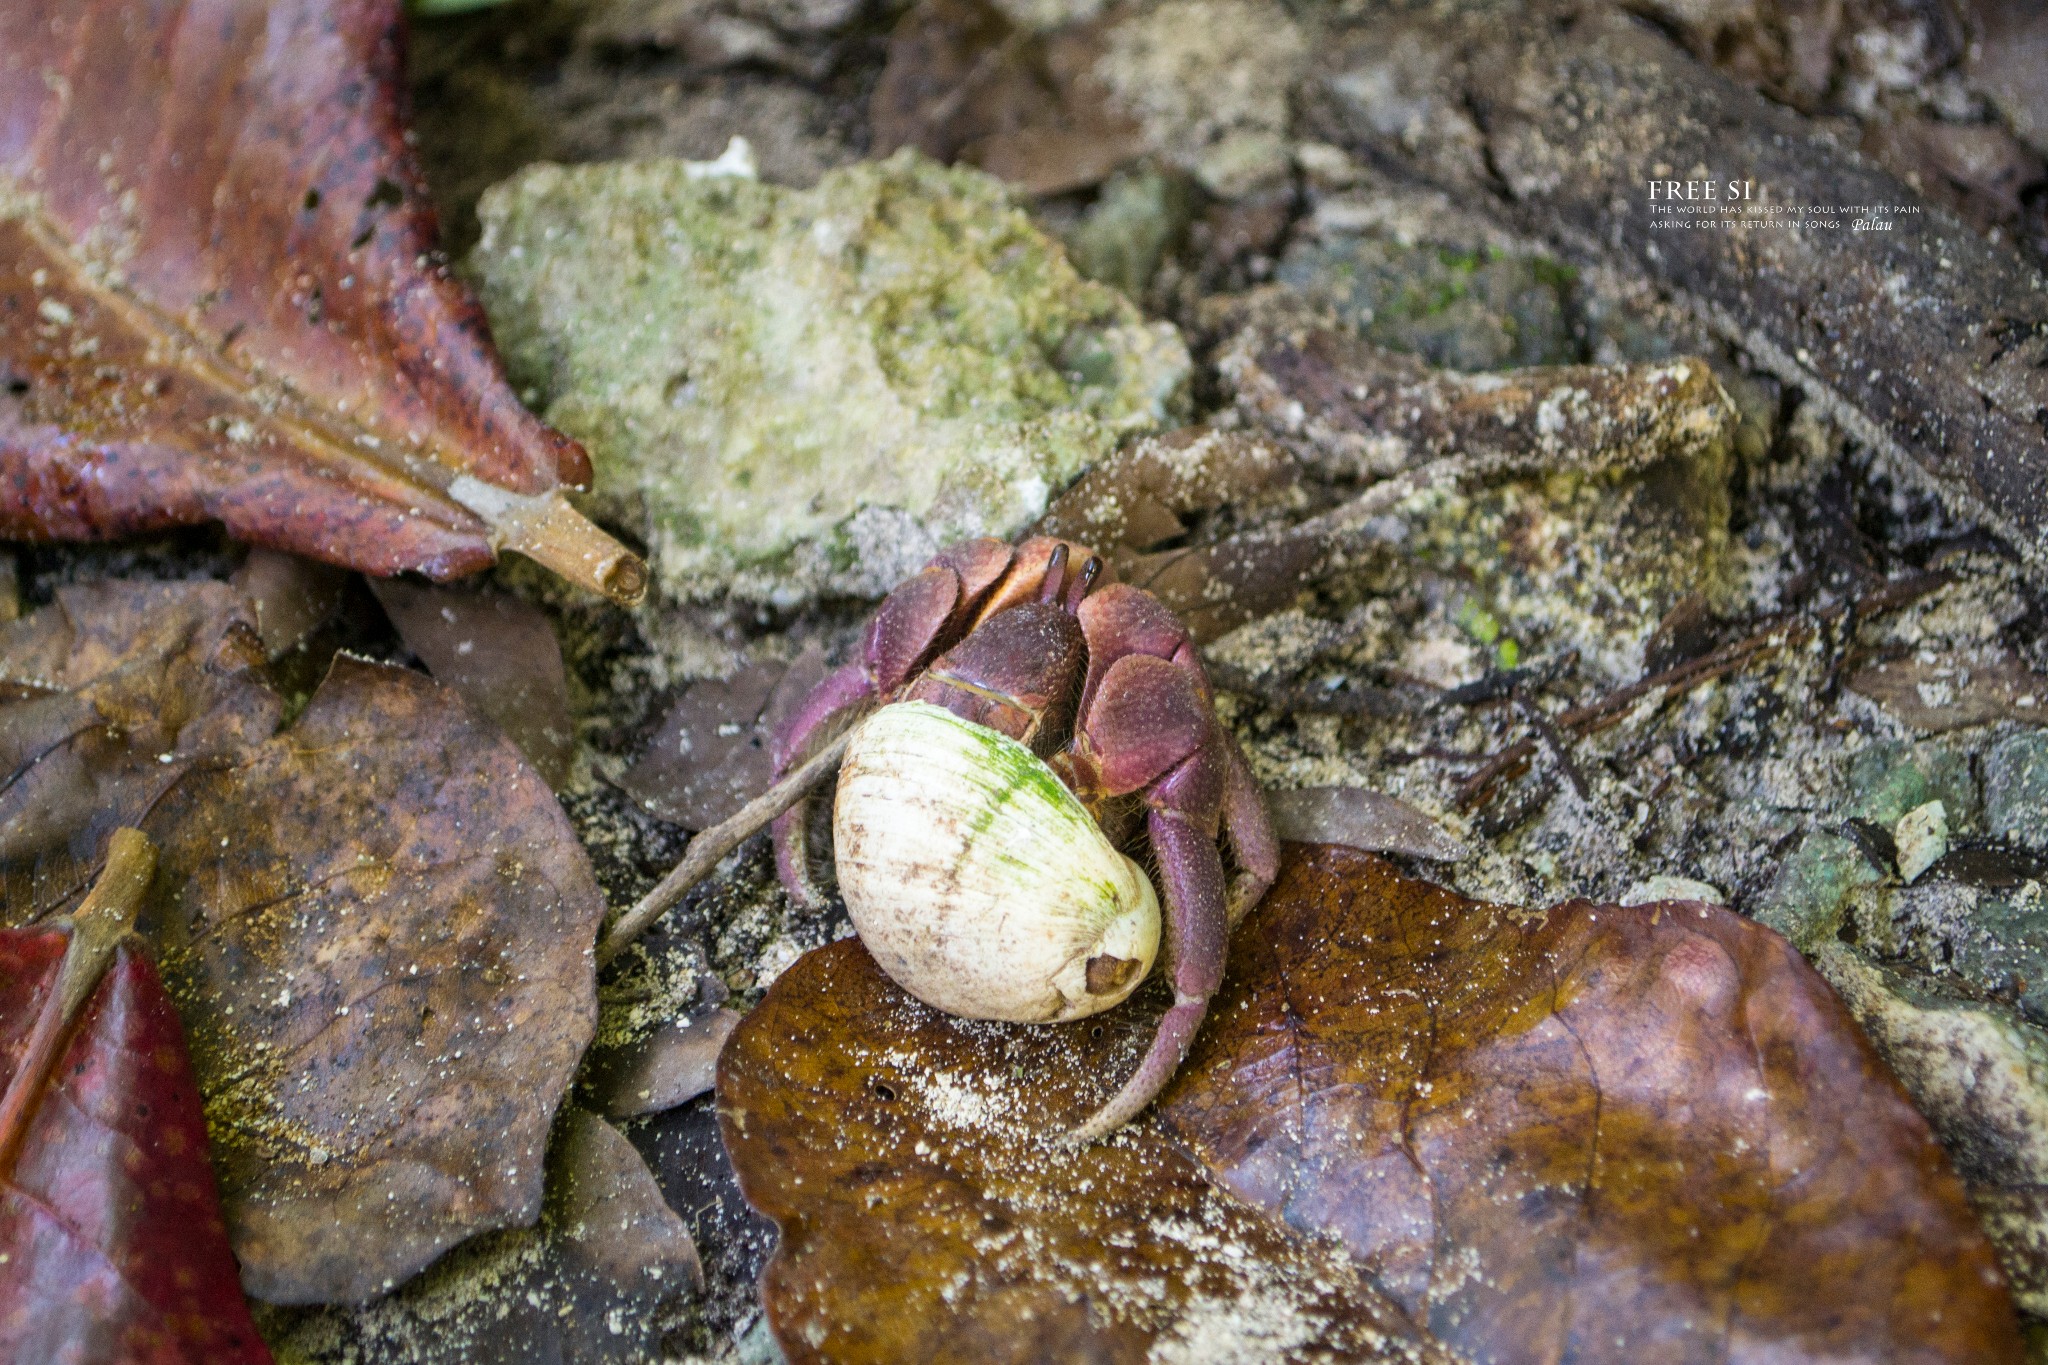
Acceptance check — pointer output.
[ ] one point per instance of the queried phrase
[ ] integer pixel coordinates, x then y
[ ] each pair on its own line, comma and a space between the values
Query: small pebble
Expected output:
1921, 837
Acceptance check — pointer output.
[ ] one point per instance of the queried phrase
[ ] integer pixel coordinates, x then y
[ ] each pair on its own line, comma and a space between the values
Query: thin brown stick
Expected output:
1597, 715
96, 928
713, 844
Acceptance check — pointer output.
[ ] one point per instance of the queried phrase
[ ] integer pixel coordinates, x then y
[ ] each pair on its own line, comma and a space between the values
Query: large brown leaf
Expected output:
220, 299
928, 1212
376, 920
1591, 1133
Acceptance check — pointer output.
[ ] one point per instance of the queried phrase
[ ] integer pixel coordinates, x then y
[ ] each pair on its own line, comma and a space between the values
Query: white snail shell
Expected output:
980, 884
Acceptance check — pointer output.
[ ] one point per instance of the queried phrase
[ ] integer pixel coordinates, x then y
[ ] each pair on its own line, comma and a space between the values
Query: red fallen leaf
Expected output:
1592, 1133
112, 1246
220, 299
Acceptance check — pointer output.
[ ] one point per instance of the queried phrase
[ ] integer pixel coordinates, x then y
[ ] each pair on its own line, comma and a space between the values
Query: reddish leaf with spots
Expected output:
220, 300
112, 1246
1449, 1129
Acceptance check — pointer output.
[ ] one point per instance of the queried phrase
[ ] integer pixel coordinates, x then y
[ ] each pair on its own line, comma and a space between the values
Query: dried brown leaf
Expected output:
963, 83
1602, 1134
612, 1215
292, 596
712, 755
1939, 694
929, 1213
376, 920
500, 655
671, 1066
1372, 821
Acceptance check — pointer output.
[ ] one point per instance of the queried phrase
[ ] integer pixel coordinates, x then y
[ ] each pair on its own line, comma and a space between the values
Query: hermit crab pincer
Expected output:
1024, 724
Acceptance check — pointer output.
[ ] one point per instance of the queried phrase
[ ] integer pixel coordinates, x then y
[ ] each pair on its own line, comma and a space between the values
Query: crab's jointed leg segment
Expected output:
1249, 829
843, 693
1182, 822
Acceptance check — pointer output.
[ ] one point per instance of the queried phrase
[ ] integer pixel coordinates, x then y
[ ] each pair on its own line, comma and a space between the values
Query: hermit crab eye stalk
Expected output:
1055, 574
1083, 581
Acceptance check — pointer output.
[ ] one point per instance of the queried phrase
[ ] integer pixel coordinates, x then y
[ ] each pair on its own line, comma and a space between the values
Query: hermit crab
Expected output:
1022, 727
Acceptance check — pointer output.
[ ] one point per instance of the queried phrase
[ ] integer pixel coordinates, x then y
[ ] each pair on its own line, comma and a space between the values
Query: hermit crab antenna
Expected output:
1055, 574
1083, 581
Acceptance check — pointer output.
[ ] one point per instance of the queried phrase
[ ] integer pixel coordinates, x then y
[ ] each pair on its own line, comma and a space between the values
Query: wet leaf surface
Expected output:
257, 329
376, 920
1591, 1133
111, 1240
928, 1212
500, 655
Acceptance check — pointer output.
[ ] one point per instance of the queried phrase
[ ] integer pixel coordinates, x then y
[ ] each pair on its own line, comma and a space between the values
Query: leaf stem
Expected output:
713, 844
546, 529
95, 930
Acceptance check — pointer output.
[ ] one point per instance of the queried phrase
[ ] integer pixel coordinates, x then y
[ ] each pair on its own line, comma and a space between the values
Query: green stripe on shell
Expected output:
977, 880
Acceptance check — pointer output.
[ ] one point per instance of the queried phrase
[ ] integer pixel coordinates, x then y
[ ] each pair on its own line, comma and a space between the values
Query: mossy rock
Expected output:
1463, 310
808, 391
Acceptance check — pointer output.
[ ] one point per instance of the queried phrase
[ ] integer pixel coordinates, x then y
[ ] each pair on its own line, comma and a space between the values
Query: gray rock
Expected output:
1461, 309
1826, 883
2005, 949
1211, 83
2016, 789
1888, 780
1135, 221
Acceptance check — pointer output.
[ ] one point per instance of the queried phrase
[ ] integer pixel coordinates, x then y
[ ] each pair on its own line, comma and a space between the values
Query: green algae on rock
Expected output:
809, 391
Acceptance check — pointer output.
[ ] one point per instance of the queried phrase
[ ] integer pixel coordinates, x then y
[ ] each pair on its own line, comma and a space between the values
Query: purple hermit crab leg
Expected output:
842, 694
712, 844
1191, 872
1249, 829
